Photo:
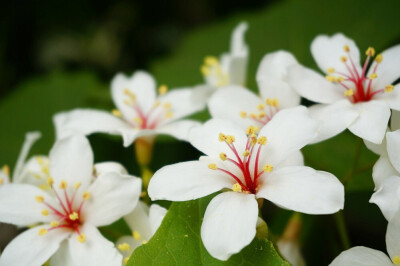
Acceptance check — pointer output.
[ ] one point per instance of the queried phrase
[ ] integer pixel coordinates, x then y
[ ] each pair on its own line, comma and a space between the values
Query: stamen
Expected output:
230, 139
50, 181
54, 224
370, 52
211, 61
379, 58
77, 185
389, 88
42, 231
6, 170
262, 140
346, 48
124, 247
169, 115
205, 70
246, 153
261, 106
1, 181
39, 199
396, 260
343, 58
162, 89
138, 120
74, 216
330, 70
116, 113
243, 114
45, 212
237, 188
131, 95
251, 130
63, 184
167, 105
212, 166
348, 92
81, 238
373, 76
222, 156
268, 168
330, 78
136, 235
86, 195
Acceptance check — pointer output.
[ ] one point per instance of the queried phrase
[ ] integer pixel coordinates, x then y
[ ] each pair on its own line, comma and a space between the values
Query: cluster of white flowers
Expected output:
252, 152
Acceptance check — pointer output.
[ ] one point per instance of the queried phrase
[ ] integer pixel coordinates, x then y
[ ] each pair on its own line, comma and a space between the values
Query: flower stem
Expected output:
341, 226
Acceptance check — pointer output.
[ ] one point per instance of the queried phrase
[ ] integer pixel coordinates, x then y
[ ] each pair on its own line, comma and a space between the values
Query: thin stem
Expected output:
348, 176
341, 226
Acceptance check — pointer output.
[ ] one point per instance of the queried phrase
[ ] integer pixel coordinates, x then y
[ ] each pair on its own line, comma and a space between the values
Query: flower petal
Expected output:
71, 160
35, 172
388, 196
63, 256
296, 158
18, 204
272, 78
334, 118
328, 50
372, 121
393, 236
238, 56
229, 102
361, 256
288, 131
395, 120
31, 249
229, 224
379, 149
129, 135
392, 99
388, 70
156, 216
138, 220
86, 122
393, 148
178, 129
313, 86
303, 189
112, 196
187, 181
142, 85
206, 137
382, 170
109, 167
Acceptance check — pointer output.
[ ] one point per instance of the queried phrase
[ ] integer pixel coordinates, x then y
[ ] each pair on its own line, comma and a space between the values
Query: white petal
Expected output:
334, 118
141, 84
291, 252
395, 121
202, 93
328, 50
71, 160
296, 158
138, 220
393, 236
313, 86
187, 181
391, 99
393, 148
63, 256
31, 249
178, 129
361, 256
238, 56
228, 102
35, 172
96, 250
238, 45
288, 131
388, 196
382, 170
112, 196
272, 78
30, 139
388, 70
206, 137
379, 149
109, 167
372, 121
131, 134
303, 189
229, 224
86, 122
156, 216
18, 204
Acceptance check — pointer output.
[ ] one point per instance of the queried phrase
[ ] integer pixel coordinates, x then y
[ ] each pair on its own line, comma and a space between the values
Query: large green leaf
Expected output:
178, 242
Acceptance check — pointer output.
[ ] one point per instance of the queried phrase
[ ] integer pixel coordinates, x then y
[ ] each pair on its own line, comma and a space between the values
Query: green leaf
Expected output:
178, 242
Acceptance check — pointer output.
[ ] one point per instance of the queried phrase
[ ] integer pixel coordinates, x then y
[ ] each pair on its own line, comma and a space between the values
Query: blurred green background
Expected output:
57, 56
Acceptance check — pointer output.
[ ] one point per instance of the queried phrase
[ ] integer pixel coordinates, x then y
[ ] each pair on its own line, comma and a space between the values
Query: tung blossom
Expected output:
351, 95
69, 212
140, 111
251, 165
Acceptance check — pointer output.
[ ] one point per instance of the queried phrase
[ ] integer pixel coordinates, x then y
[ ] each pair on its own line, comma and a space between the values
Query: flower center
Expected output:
68, 212
249, 180
265, 111
358, 87
213, 72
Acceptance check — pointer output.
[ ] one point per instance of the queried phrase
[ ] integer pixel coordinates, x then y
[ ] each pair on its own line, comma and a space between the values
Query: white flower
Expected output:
141, 112
143, 222
363, 256
350, 96
245, 108
252, 166
69, 213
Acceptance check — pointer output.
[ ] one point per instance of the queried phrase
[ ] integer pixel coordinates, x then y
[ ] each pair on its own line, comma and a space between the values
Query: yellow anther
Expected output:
45, 212
246, 153
256, 129
272, 102
348, 92
346, 48
243, 114
116, 113
77, 185
222, 156
222, 137
330, 70
74, 216
1, 181
124, 247
81, 238
212, 166
262, 140
126, 260
37, 176
330, 78
230, 139
373, 76
169, 115
237, 188
261, 106
63, 184
136, 235
261, 114
253, 115
167, 106
130, 94
86, 195
45, 170
39, 160
138, 120
144, 242
253, 138
6, 170
370, 51
379, 58
162, 89
127, 102
389, 88
50, 181
250, 130
340, 79
156, 104
42, 231
44, 187
211, 60
54, 224
39, 199
205, 70
396, 260
343, 58
268, 168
